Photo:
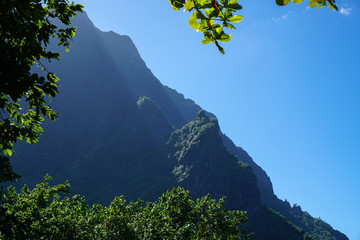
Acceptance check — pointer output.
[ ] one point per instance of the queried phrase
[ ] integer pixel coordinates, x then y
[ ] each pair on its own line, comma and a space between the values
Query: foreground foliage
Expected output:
42, 213
26, 28
211, 17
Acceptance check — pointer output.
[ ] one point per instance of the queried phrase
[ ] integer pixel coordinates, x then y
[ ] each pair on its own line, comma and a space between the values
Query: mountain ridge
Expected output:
120, 130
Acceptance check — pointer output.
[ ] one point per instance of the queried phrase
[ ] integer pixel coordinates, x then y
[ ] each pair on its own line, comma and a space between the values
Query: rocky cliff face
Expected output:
121, 132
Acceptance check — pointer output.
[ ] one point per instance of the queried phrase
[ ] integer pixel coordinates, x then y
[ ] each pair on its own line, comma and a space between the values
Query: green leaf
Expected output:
203, 2
212, 13
177, 4
192, 21
333, 7
282, 2
221, 49
313, 3
7, 152
236, 18
228, 13
206, 41
234, 6
228, 25
224, 2
189, 5
199, 15
225, 37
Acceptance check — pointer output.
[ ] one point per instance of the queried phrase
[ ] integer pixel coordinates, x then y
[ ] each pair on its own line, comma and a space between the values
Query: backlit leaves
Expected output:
211, 17
282, 2
236, 18
313, 3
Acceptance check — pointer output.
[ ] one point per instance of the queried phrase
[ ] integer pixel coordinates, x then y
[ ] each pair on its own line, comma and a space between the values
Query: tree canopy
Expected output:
42, 213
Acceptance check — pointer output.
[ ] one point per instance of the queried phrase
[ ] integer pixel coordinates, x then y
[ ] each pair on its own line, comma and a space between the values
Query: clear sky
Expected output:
287, 90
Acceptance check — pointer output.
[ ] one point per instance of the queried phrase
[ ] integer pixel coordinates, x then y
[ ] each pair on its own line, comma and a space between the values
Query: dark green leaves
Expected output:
26, 28
177, 4
42, 213
282, 2
6, 172
233, 5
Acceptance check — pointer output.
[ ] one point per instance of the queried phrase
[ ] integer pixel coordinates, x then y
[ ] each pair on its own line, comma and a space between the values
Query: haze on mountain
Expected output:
288, 92
121, 132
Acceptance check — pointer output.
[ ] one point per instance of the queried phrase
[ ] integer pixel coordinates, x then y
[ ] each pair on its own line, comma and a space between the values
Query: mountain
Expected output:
121, 132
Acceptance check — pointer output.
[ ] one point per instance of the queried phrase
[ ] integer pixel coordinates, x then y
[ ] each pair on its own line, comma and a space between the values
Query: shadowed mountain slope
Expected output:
121, 132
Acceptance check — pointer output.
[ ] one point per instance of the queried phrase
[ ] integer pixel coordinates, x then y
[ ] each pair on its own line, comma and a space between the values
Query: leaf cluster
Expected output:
43, 213
313, 3
26, 29
212, 17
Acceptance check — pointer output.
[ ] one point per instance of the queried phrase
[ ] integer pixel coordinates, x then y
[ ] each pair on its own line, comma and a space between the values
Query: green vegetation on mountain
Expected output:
203, 164
314, 227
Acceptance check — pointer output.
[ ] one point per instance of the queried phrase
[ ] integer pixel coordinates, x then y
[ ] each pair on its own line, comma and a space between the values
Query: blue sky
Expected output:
287, 90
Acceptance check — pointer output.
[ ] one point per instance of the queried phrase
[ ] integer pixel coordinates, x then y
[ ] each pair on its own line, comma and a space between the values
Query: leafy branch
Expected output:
207, 13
